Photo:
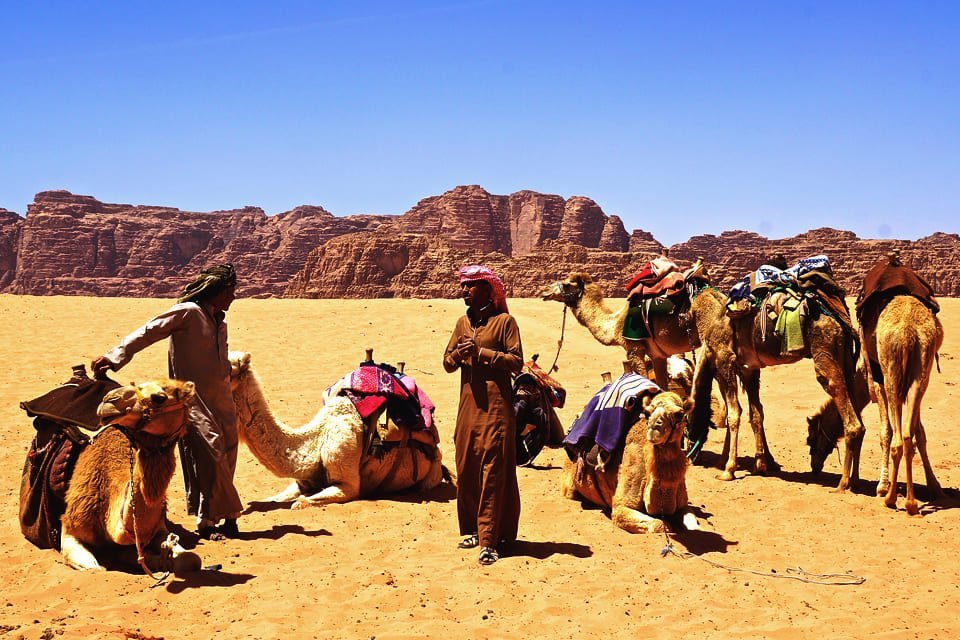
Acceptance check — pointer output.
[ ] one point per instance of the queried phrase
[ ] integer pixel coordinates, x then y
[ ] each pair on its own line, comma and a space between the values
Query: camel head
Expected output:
666, 417
824, 429
239, 367
568, 291
156, 407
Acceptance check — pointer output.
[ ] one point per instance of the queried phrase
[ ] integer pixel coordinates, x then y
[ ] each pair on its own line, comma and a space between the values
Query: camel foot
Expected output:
690, 522
912, 508
883, 488
726, 476
652, 526
300, 503
890, 501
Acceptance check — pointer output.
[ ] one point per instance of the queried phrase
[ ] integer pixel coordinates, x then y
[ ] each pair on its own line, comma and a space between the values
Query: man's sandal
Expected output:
488, 555
470, 542
211, 533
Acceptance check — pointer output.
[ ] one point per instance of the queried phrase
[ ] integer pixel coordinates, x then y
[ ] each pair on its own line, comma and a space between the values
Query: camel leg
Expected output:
660, 373
886, 431
336, 493
634, 521
912, 412
764, 462
932, 483
727, 383
831, 377
896, 442
287, 495
568, 488
76, 555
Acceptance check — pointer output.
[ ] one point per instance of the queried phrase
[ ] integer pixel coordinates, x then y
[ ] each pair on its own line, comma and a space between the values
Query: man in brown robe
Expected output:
198, 352
485, 346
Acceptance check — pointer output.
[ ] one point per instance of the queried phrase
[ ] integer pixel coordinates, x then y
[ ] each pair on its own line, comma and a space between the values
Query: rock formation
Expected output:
73, 244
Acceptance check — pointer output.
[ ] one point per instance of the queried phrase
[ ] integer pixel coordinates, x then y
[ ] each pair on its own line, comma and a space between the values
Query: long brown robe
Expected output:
198, 352
488, 497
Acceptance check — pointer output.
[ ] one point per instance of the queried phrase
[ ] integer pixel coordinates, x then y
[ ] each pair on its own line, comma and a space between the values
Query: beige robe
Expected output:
198, 352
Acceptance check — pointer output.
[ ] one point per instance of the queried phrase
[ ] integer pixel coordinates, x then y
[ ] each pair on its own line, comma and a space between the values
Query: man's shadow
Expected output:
545, 549
190, 539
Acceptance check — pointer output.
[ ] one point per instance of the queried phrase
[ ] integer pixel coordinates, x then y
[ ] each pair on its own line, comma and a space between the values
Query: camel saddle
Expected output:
884, 282
536, 397
65, 420
660, 288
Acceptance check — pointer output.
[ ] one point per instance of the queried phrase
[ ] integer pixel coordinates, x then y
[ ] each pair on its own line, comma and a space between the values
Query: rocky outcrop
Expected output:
10, 226
734, 253
73, 244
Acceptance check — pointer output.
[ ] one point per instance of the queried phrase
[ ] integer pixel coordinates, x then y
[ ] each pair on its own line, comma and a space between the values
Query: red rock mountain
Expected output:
77, 245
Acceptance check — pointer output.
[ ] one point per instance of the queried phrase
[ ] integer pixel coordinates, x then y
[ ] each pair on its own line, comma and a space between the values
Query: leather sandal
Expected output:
470, 542
488, 555
211, 533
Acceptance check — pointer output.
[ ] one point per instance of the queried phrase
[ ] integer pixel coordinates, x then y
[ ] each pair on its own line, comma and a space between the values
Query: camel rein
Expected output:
132, 437
563, 329
791, 573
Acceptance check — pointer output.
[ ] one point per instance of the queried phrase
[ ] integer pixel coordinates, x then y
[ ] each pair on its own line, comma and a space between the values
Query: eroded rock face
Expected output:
73, 244
10, 226
734, 253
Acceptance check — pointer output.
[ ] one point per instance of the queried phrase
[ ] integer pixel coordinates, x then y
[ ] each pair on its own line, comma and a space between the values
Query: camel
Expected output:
740, 345
672, 335
904, 344
585, 299
326, 457
117, 492
648, 484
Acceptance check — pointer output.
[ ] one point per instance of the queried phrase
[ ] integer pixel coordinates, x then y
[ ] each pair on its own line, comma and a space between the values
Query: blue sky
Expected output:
683, 118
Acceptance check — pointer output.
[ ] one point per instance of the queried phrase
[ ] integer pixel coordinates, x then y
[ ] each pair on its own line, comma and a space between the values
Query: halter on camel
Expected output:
148, 445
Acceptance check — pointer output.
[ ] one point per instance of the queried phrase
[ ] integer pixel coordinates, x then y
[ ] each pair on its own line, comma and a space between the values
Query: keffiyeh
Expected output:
210, 282
498, 293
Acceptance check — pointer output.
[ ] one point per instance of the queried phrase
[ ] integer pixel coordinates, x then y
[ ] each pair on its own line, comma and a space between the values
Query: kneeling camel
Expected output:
118, 489
326, 457
648, 484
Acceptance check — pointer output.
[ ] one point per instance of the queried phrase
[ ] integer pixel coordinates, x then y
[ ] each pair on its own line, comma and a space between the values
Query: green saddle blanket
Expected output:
636, 326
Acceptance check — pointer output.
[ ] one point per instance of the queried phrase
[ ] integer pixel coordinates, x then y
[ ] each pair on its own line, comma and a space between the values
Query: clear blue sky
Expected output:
683, 118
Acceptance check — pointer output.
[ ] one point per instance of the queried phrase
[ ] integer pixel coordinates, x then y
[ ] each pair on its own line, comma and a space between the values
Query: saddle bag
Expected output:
60, 418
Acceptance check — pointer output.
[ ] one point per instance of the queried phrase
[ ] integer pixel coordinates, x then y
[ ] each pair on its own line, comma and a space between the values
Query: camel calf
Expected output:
117, 493
648, 484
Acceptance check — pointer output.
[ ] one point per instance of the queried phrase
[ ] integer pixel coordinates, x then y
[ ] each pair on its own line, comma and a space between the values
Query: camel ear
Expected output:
688, 406
645, 401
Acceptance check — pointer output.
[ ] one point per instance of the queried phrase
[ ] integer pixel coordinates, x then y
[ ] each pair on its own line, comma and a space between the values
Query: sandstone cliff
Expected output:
73, 244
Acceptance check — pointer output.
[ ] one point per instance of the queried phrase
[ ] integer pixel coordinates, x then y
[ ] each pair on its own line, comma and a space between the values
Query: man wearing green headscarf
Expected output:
197, 352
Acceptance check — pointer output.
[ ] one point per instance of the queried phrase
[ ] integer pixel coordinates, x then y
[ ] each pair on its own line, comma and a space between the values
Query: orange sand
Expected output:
389, 568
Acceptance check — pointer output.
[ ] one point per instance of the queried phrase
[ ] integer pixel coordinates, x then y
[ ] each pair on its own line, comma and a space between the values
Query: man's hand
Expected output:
467, 349
100, 366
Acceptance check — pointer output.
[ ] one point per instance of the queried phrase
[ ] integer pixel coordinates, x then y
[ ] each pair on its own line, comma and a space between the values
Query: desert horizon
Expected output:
389, 567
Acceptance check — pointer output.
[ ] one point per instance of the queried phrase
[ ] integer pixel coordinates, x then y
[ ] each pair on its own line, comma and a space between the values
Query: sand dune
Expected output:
390, 568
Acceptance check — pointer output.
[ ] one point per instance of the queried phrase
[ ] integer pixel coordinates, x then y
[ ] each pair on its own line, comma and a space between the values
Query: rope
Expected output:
141, 559
791, 573
563, 329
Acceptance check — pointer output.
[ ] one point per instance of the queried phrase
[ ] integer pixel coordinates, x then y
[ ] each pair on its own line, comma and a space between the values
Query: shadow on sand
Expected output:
542, 550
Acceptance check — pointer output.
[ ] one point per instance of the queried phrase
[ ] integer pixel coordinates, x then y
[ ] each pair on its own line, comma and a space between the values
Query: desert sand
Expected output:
389, 568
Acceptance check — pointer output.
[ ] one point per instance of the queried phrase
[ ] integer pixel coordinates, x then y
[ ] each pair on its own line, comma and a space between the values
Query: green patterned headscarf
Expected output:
209, 283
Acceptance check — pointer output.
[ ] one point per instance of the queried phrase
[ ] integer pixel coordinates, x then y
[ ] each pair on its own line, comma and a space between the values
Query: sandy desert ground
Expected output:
389, 568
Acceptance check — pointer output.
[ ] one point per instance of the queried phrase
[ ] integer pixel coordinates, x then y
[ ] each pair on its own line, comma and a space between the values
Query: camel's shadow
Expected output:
543, 550
443, 492
700, 541
207, 578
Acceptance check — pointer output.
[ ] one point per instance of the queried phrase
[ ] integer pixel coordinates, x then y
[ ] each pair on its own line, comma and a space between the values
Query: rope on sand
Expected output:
829, 579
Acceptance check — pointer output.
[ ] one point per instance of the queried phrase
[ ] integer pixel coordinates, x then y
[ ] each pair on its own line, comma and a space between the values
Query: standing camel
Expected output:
740, 345
901, 335
670, 335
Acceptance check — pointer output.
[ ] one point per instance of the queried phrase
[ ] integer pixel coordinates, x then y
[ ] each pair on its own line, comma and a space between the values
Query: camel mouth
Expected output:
553, 292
